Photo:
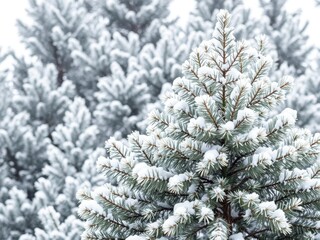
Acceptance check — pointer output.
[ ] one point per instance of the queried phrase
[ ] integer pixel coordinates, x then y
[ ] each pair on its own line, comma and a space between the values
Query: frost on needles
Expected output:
213, 164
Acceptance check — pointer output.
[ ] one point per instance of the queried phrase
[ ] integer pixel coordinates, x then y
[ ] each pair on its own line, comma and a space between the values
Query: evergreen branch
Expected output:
276, 183
196, 231
120, 207
216, 63
312, 228
187, 90
317, 200
235, 58
207, 180
176, 151
244, 180
199, 60
254, 234
261, 68
119, 224
211, 116
236, 104
127, 196
116, 170
118, 150
144, 152
254, 97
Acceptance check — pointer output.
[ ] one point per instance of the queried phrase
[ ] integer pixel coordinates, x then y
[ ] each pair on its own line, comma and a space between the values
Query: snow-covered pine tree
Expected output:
161, 63
5, 90
125, 64
143, 17
22, 146
288, 33
213, 164
53, 24
306, 99
94, 62
23, 150
203, 16
55, 32
38, 94
17, 215
5, 96
22, 156
71, 165
121, 99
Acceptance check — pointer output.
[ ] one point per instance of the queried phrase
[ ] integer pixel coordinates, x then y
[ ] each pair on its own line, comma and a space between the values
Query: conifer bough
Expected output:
214, 164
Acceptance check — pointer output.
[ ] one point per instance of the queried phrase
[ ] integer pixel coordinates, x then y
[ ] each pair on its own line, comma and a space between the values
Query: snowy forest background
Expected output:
94, 69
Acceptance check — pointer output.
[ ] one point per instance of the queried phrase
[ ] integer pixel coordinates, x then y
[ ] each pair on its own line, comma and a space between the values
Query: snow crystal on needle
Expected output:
251, 51
251, 198
245, 113
286, 117
206, 214
206, 71
101, 191
267, 206
142, 171
101, 162
237, 236
234, 73
288, 150
222, 80
135, 237
196, 123
224, 66
279, 216
302, 144
184, 208
91, 205
288, 79
270, 208
253, 134
176, 182
171, 102
317, 225
182, 106
218, 193
263, 157
309, 183
169, 225
242, 85
200, 122
211, 155
295, 173
228, 126
262, 38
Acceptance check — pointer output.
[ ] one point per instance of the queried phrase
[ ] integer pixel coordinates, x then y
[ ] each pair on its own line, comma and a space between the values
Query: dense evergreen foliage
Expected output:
214, 164
94, 70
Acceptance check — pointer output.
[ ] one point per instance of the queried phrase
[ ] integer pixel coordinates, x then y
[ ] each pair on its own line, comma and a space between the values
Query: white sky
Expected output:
10, 10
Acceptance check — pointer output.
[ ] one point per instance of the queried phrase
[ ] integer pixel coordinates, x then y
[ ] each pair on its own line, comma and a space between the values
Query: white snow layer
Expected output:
237, 236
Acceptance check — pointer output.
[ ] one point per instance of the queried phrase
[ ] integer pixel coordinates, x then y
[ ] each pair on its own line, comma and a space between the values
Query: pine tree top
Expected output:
214, 164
